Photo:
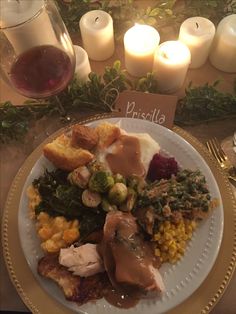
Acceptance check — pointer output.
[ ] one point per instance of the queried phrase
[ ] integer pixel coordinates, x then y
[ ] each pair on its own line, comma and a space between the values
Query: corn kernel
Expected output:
190, 234
167, 224
172, 238
173, 261
172, 253
181, 250
164, 247
182, 244
157, 236
189, 228
178, 256
167, 236
172, 250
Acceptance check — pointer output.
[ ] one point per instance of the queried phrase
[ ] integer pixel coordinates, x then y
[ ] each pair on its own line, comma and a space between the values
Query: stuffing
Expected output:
64, 156
108, 133
84, 137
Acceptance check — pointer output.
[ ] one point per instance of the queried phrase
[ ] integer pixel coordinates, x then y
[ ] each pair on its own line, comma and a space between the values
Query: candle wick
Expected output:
197, 25
97, 18
165, 55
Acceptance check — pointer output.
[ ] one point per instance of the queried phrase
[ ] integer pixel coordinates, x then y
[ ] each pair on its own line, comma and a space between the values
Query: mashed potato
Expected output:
148, 147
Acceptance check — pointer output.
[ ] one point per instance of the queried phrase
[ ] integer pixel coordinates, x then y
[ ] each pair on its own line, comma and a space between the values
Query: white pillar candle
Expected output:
223, 52
197, 33
82, 65
140, 43
171, 63
97, 34
36, 28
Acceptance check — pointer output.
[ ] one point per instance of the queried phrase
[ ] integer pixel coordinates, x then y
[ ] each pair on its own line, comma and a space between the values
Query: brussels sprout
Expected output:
95, 166
107, 207
90, 198
118, 178
101, 181
118, 193
130, 201
80, 176
136, 183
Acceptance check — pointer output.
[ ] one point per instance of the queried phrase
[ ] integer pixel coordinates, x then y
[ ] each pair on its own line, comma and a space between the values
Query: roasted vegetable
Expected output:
118, 178
118, 193
90, 198
80, 176
95, 166
101, 181
136, 183
107, 207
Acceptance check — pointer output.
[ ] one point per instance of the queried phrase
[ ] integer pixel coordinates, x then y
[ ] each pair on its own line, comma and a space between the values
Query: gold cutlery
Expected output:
215, 149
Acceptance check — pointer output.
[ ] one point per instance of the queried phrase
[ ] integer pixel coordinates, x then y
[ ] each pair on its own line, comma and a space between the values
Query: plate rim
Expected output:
7, 247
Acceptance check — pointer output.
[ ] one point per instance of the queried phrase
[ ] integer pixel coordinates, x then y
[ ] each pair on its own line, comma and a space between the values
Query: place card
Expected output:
156, 108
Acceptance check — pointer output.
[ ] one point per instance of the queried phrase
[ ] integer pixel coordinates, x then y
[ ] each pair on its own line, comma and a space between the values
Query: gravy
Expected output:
122, 300
126, 158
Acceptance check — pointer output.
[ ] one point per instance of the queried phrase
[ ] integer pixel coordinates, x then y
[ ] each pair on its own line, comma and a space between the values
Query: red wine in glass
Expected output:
41, 71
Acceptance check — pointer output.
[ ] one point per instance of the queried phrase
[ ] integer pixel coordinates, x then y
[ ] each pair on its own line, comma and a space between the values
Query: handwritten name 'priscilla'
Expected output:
154, 115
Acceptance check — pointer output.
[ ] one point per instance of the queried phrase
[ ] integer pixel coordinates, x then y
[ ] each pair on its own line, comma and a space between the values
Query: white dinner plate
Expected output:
181, 279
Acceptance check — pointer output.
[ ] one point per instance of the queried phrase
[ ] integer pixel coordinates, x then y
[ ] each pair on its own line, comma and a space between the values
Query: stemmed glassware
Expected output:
37, 55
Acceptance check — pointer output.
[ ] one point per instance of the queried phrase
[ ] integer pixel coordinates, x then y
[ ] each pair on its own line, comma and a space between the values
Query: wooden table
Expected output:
13, 155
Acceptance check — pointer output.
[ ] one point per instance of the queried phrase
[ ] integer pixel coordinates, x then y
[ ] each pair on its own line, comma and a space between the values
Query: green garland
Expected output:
204, 104
96, 95
200, 104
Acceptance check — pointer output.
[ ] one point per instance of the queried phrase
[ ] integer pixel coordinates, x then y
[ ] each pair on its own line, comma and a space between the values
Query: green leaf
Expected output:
6, 124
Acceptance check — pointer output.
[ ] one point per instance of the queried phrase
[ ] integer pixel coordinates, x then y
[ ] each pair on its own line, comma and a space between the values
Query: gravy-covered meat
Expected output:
75, 288
128, 259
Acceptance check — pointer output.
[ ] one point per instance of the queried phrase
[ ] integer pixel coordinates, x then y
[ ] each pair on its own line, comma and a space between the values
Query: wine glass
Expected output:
37, 55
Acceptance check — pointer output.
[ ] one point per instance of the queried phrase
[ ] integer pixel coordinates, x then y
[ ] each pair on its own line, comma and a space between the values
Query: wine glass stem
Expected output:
60, 106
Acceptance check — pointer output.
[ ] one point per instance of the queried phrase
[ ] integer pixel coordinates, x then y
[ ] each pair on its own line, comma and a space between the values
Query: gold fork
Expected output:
215, 149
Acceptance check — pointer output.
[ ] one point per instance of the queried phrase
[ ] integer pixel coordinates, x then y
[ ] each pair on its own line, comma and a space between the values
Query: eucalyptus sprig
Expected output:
205, 103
